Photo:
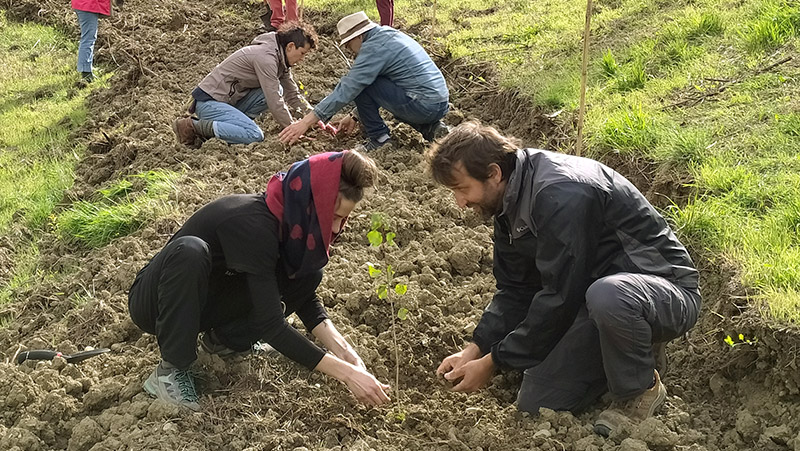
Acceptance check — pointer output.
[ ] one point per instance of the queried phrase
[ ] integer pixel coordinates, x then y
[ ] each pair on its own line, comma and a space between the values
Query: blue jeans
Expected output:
88, 24
383, 93
234, 124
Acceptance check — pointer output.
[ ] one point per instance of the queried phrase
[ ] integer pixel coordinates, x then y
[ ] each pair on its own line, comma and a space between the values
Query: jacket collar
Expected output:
514, 184
518, 197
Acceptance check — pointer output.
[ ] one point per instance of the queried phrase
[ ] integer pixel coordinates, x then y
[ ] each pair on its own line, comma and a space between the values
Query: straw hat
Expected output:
354, 25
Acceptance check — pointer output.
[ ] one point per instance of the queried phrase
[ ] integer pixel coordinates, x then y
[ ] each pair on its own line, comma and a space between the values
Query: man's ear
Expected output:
290, 47
495, 173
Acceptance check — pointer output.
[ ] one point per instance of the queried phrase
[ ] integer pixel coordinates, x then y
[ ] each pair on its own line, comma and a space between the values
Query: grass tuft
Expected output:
121, 208
608, 65
778, 22
628, 130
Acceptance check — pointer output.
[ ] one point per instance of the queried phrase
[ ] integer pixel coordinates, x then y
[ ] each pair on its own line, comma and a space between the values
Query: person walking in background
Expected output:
277, 15
386, 11
391, 71
253, 79
89, 12
243, 263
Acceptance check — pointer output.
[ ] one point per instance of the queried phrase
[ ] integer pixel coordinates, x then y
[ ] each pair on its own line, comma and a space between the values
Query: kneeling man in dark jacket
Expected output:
591, 280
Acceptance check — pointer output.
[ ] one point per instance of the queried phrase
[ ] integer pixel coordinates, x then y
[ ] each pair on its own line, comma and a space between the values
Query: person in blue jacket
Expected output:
391, 71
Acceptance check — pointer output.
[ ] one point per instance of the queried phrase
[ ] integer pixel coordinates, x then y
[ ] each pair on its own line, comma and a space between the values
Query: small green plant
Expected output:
742, 341
387, 288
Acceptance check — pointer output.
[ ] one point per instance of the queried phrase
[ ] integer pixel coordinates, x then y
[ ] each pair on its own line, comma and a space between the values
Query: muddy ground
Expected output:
720, 398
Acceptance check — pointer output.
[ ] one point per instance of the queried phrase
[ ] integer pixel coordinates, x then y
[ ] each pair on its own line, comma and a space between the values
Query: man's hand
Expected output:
366, 388
457, 360
473, 375
292, 133
347, 124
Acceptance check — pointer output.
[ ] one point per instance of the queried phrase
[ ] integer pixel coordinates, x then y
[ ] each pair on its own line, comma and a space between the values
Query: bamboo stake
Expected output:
584, 65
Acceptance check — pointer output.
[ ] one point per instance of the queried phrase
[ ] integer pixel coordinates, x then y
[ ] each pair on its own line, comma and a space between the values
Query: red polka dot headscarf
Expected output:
303, 199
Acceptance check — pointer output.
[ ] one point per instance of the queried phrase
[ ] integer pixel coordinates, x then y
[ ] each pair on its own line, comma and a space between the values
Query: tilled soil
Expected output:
720, 398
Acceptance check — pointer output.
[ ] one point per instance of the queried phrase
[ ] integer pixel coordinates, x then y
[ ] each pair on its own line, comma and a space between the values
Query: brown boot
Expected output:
184, 131
633, 410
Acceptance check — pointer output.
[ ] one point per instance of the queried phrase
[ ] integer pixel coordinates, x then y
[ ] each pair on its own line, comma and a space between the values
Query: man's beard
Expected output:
489, 206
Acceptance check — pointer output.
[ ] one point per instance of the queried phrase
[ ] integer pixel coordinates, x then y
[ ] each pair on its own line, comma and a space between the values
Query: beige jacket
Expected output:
261, 64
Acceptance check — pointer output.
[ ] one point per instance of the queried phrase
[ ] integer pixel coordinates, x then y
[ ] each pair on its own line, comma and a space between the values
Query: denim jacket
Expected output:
388, 53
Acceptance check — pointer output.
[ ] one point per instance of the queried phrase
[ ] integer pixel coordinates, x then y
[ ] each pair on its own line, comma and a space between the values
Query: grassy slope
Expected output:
39, 108
740, 145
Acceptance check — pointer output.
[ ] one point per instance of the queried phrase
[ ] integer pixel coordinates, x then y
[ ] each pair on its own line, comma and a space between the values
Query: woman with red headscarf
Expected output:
241, 264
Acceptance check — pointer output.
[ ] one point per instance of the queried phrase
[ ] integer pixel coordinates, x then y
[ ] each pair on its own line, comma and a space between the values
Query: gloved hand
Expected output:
329, 128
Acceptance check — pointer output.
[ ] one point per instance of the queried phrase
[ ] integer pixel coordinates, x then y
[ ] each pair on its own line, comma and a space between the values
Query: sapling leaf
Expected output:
373, 271
402, 313
375, 221
729, 341
383, 291
400, 289
375, 238
390, 271
390, 238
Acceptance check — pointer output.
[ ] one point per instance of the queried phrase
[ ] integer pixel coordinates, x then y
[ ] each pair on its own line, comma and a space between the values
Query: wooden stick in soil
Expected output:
396, 353
584, 65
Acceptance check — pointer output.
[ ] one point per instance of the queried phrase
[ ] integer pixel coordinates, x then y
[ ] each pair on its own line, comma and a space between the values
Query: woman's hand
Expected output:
366, 387
350, 356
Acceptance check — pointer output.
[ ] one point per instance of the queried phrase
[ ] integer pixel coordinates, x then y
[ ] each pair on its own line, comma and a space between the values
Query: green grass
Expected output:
39, 108
117, 210
649, 59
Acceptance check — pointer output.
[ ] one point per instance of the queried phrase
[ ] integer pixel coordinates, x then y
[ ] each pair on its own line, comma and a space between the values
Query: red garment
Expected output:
93, 6
278, 17
386, 11
304, 199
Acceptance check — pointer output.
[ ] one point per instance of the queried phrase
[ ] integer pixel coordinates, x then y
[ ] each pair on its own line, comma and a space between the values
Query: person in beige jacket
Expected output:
251, 80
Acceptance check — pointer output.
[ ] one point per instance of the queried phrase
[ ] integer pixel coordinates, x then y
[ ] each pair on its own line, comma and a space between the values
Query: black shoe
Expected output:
88, 77
266, 19
437, 131
372, 144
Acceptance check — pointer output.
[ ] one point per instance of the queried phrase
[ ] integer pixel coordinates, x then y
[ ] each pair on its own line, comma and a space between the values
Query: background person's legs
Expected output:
168, 296
228, 123
88, 25
631, 312
383, 93
386, 11
278, 15
570, 377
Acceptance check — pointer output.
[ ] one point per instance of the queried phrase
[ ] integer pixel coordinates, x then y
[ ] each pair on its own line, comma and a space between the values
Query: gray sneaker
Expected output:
174, 386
